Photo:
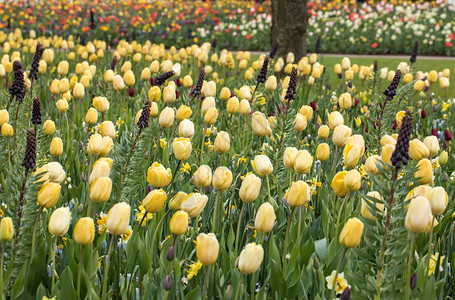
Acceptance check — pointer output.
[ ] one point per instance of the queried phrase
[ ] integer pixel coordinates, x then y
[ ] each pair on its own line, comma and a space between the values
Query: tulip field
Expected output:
135, 170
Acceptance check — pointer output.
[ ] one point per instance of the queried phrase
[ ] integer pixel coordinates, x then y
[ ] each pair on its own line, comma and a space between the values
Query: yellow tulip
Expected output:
250, 188
193, 204
158, 176
166, 118
262, 165
203, 176
323, 152
59, 221
100, 190
207, 248
182, 148
438, 200
6, 229
424, 171
352, 180
298, 194
118, 218
84, 231
154, 200
303, 162
179, 223
56, 146
176, 201
418, 150
418, 215
338, 185
48, 194
222, 178
265, 218
222, 142
366, 209
352, 233
341, 134
250, 258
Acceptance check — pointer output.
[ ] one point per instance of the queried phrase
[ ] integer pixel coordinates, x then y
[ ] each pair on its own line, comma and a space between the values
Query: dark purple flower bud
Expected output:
340, 76
395, 125
447, 135
176, 94
346, 295
444, 145
170, 253
313, 105
356, 102
149, 189
178, 82
423, 114
435, 108
167, 282
413, 281
434, 132
131, 92
152, 81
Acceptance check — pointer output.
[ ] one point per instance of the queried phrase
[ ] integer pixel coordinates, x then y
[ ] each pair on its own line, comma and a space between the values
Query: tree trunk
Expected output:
289, 26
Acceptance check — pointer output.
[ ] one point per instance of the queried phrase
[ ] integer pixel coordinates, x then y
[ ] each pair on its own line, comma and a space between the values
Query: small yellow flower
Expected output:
141, 214
445, 106
102, 223
193, 269
126, 236
163, 143
341, 282
240, 160
433, 261
186, 168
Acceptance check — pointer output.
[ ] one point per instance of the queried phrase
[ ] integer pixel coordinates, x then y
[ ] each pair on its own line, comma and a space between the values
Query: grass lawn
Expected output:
421, 64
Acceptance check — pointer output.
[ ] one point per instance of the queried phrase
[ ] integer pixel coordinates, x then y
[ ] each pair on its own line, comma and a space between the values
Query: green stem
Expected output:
237, 293
106, 269
79, 272
286, 238
336, 274
238, 228
156, 231
67, 134
1, 271
408, 277
215, 210
268, 187
430, 247
205, 283
340, 212
54, 248
202, 144
34, 232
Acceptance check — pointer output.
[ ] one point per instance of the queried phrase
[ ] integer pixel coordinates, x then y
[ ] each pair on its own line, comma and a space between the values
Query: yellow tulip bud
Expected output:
209, 89
91, 117
418, 215
4, 117
56, 146
341, 134
166, 118
78, 91
101, 104
59, 221
48, 55
7, 130
6, 230
419, 85
100, 190
307, 112
338, 184
55, 172
290, 153
84, 231
182, 148
48, 194
118, 83
386, 153
207, 248
271, 83
62, 68
176, 201
432, 144
438, 200
323, 152
169, 94
95, 144
259, 124
225, 94
335, 119
154, 200
245, 93
345, 101
184, 112
345, 63
222, 142
250, 258
107, 129
418, 150
349, 75
210, 116
367, 210
262, 165
424, 171
371, 164
118, 218
107, 145
158, 176
222, 179
179, 223
323, 132
193, 204
250, 188
203, 176
54, 87
187, 81
63, 85
352, 180
232, 105
337, 69
432, 76
303, 162
353, 151
265, 218
352, 233
186, 129
62, 105
443, 158
298, 194
244, 107
300, 122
